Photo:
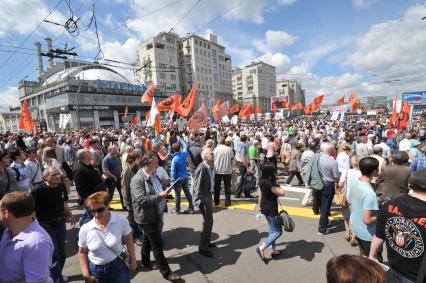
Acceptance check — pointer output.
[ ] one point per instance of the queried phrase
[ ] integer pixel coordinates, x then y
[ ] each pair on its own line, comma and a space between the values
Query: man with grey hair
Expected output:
329, 172
223, 166
111, 167
203, 186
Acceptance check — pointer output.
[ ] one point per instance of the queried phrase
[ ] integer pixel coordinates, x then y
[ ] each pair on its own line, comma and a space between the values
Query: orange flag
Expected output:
355, 104
341, 100
199, 119
257, 111
287, 104
311, 108
274, 107
133, 122
404, 115
157, 124
170, 103
148, 95
26, 123
246, 111
187, 105
298, 106
224, 109
216, 107
318, 100
394, 117
126, 111
352, 97
234, 108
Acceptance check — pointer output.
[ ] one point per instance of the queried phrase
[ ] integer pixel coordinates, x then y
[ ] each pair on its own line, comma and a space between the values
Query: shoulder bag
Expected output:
284, 219
124, 255
339, 197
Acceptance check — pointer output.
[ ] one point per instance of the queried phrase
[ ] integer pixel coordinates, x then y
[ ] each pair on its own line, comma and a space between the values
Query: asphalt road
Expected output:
237, 233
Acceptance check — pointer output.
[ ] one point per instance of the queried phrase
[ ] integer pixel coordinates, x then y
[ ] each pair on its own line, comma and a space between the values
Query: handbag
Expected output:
339, 197
124, 254
284, 219
249, 182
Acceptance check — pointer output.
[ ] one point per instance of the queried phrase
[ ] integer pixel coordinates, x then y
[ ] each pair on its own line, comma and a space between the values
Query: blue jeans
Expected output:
400, 278
58, 236
183, 184
114, 272
275, 231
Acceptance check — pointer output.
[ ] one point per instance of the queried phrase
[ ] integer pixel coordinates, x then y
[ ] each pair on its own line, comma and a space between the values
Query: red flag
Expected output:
355, 104
341, 100
246, 111
126, 111
287, 104
298, 106
26, 123
257, 111
234, 108
274, 107
187, 105
394, 117
318, 100
311, 108
199, 119
170, 103
133, 122
404, 115
148, 95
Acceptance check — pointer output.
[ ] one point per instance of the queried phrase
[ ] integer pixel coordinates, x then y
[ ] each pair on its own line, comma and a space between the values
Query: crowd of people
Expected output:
379, 170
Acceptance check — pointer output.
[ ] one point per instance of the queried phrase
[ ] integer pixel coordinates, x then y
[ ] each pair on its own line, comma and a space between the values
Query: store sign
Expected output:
120, 86
89, 107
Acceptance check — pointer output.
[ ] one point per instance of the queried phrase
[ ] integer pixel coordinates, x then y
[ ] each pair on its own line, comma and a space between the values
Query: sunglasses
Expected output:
98, 210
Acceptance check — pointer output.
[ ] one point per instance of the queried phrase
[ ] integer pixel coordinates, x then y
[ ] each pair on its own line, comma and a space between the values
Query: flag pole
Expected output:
410, 120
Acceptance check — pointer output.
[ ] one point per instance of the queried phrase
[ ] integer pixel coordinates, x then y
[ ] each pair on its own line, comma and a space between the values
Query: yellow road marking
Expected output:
247, 205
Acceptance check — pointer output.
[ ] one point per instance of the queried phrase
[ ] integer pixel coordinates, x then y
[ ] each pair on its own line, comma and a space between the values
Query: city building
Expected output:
258, 85
9, 120
380, 101
158, 63
199, 61
237, 84
94, 94
291, 89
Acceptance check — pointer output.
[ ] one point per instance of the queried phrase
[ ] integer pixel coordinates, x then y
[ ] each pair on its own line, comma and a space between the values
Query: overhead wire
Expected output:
29, 35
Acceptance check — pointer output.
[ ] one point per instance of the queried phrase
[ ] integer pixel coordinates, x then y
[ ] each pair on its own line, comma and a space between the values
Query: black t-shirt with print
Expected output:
401, 223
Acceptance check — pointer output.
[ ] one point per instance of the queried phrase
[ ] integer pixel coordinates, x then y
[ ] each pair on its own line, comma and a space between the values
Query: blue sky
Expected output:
330, 46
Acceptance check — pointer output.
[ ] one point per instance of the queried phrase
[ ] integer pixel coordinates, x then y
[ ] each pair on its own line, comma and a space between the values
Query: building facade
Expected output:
291, 89
94, 94
237, 84
258, 85
9, 121
199, 61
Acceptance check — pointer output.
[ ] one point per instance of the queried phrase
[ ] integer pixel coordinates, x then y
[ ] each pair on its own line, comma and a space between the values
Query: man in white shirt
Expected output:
405, 144
362, 148
386, 149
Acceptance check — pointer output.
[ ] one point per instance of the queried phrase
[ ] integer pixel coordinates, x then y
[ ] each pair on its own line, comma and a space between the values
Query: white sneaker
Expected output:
65, 278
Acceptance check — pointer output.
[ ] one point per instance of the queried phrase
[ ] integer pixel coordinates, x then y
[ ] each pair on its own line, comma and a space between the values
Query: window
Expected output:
163, 86
173, 86
161, 66
208, 46
204, 45
163, 76
196, 41
173, 77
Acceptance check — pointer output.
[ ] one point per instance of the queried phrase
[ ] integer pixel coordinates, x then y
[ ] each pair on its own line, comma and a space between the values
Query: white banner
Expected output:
234, 120
342, 116
225, 119
334, 116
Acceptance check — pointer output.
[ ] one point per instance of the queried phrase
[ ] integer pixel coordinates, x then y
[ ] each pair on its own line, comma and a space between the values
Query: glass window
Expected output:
173, 77
162, 76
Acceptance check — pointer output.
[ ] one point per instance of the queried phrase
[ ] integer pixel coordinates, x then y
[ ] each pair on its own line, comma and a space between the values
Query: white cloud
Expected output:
361, 4
17, 17
9, 97
279, 60
286, 2
205, 12
274, 41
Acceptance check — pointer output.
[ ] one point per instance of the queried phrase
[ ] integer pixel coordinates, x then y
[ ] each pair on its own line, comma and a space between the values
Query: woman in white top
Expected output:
101, 243
343, 159
348, 177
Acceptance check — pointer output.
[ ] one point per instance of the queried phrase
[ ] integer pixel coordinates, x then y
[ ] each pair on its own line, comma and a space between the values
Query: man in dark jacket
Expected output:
203, 188
87, 181
149, 202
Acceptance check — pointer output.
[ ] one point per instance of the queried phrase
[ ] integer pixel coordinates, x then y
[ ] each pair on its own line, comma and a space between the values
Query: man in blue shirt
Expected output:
111, 167
178, 170
364, 206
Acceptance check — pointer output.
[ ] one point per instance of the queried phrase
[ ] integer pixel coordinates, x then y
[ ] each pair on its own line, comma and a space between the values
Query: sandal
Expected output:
276, 254
262, 257
347, 237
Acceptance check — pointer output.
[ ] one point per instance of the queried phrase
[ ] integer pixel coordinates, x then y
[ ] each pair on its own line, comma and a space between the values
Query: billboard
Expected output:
279, 100
415, 98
